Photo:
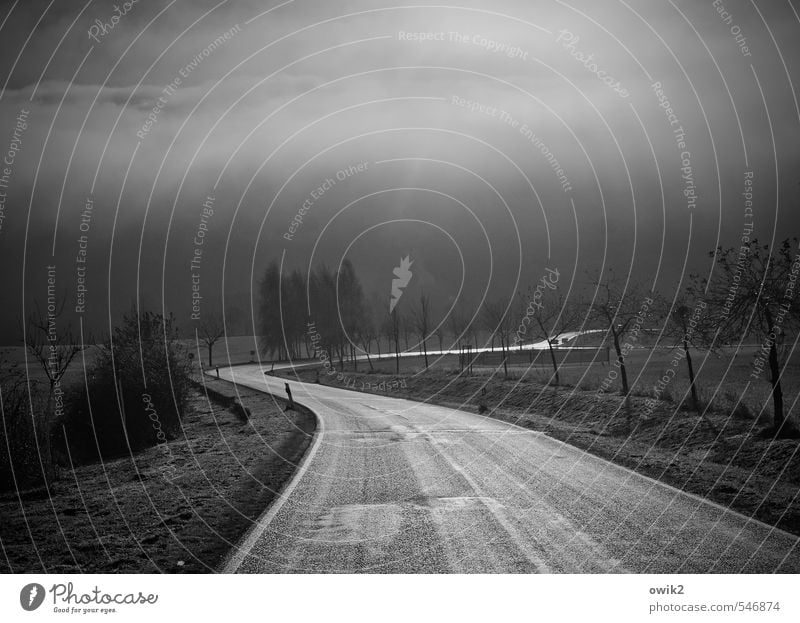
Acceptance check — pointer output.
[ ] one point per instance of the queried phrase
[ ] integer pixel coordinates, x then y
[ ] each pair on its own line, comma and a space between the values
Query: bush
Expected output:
19, 458
135, 394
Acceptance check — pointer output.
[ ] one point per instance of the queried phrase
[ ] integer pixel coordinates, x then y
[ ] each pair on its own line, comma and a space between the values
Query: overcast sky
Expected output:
569, 162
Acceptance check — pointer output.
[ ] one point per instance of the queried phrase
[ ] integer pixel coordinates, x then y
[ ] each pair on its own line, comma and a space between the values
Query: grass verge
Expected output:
126, 516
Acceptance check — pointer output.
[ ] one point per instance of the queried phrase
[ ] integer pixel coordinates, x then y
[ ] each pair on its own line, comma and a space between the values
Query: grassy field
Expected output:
722, 378
125, 516
719, 455
235, 350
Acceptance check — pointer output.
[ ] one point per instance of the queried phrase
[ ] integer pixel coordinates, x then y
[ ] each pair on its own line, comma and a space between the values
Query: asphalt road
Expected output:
392, 485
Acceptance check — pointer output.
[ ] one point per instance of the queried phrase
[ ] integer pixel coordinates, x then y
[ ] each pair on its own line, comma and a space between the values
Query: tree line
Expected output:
134, 387
751, 296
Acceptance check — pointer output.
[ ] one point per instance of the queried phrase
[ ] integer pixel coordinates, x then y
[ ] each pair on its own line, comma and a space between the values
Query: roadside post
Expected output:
289, 395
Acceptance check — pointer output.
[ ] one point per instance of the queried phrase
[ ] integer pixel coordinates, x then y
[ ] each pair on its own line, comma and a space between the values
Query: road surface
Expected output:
391, 485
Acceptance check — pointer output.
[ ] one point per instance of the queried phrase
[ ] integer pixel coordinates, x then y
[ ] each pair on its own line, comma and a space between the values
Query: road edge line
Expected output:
236, 555
625, 468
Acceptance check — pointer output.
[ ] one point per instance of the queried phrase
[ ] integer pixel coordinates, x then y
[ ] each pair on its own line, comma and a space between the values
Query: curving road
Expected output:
393, 485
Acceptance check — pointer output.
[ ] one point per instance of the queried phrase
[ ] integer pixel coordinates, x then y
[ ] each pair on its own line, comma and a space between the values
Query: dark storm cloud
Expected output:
253, 110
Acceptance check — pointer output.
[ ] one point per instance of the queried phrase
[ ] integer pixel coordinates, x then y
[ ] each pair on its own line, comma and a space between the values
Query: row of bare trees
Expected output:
333, 305
750, 296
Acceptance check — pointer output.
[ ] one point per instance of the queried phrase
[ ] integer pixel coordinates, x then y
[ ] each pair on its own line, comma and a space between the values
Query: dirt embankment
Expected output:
719, 456
172, 508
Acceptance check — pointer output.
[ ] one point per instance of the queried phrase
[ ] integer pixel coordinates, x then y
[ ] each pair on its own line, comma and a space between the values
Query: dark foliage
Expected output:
135, 394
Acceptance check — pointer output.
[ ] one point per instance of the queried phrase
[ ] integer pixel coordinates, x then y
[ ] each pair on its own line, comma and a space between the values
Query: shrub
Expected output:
19, 457
135, 394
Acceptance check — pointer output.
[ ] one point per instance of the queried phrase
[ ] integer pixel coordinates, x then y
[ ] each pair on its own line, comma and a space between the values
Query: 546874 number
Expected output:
757, 606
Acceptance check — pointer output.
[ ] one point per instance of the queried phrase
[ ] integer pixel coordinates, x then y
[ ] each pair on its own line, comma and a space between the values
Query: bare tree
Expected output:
422, 319
53, 347
294, 315
375, 318
387, 330
269, 317
352, 308
687, 327
396, 326
622, 309
754, 294
457, 324
325, 312
209, 331
440, 334
405, 327
473, 329
366, 333
497, 319
548, 315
